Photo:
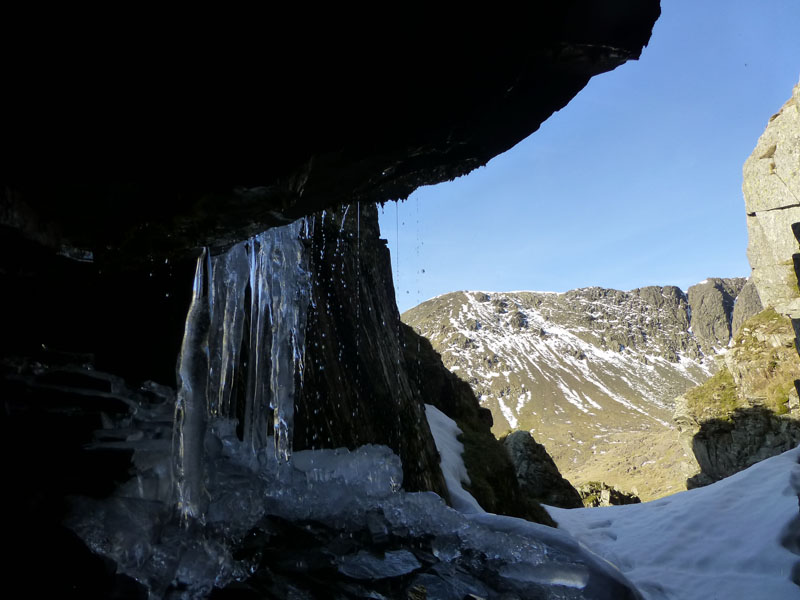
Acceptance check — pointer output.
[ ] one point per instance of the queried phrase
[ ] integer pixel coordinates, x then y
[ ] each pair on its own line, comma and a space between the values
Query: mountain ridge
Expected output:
586, 370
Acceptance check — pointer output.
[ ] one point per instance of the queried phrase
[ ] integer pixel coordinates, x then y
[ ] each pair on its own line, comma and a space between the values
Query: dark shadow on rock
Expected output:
726, 446
494, 482
357, 388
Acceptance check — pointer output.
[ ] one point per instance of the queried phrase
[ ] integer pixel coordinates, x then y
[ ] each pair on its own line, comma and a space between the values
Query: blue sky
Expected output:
637, 181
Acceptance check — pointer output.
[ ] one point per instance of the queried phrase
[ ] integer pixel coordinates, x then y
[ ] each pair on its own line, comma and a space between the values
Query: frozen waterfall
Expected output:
242, 353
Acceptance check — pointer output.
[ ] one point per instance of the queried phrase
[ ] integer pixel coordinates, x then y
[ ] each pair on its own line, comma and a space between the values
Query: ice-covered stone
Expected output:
366, 565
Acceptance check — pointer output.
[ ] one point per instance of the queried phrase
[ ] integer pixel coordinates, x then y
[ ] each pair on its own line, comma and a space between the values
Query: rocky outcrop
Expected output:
749, 410
748, 304
357, 386
772, 200
537, 474
712, 304
771, 189
596, 493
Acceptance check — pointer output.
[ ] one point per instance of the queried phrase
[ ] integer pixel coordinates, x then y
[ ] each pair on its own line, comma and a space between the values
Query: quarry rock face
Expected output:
771, 189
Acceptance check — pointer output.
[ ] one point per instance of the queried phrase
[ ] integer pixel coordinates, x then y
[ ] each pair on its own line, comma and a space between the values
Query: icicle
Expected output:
274, 266
230, 278
190, 407
290, 289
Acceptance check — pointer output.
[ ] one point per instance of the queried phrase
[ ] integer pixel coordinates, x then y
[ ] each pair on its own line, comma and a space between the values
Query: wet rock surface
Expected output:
358, 386
310, 560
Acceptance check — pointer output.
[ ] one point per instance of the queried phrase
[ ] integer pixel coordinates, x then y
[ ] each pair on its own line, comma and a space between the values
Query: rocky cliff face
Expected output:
586, 371
771, 189
357, 388
712, 304
749, 410
748, 304
491, 471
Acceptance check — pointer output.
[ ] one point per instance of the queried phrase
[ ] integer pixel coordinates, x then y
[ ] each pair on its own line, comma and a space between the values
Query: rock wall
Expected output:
491, 471
712, 305
749, 410
748, 304
771, 189
357, 386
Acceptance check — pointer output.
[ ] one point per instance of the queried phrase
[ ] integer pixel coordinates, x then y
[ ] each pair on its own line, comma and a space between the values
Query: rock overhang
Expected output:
338, 116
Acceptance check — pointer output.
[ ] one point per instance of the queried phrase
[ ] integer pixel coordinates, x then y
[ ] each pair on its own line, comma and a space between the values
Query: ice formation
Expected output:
249, 300
240, 361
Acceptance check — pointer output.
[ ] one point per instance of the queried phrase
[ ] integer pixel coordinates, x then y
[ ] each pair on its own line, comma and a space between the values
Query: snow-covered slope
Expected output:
720, 541
579, 370
727, 540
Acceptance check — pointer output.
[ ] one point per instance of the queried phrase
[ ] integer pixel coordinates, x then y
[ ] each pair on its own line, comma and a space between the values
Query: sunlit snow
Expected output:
720, 541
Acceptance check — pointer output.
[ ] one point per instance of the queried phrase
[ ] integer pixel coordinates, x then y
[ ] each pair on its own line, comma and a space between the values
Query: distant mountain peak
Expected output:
580, 367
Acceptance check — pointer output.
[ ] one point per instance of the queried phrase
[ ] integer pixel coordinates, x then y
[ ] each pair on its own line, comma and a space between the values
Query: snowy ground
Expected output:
721, 541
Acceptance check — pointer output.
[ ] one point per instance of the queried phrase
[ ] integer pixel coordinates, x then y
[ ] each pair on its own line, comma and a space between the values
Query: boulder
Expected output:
596, 493
537, 474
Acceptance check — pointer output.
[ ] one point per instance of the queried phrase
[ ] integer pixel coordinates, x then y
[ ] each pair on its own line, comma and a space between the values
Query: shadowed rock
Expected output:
537, 474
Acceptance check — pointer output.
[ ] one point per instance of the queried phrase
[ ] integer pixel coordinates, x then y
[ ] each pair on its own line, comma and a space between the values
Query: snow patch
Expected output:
719, 541
445, 435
